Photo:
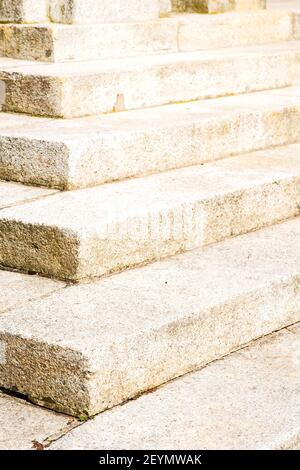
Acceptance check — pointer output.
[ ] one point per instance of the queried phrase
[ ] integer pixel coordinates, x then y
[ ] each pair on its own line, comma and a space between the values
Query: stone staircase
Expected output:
133, 133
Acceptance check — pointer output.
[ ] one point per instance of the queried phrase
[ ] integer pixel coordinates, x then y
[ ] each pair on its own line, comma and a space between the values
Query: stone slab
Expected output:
90, 347
250, 400
124, 84
69, 154
52, 42
28, 427
91, 11
78, 235
23, 11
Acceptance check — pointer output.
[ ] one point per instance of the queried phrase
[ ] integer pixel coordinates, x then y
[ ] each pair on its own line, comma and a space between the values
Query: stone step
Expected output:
91, 11
77, 89
287, 6
87, 348
69, 154
58, 43
248, 400
20, 289
93, 232
23, 11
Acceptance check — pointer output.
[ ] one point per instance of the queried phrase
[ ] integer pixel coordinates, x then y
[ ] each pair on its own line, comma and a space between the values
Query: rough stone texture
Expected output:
24, 426
283, 5
91, 11
124, 339
13, 194
218, 6
101, 230
58, 43
76, 153
248, 400
18, 289
23, 11
64, 90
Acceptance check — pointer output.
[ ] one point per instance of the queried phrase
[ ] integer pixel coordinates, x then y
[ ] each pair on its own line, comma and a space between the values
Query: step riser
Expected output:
62, 379
124, 40
60, 164
75, 96
88, 11
185, 223
297, 26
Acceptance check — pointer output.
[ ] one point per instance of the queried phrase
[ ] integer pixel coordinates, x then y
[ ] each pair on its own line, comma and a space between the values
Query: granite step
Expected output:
52, 42
87, 348
75, 153
247, 401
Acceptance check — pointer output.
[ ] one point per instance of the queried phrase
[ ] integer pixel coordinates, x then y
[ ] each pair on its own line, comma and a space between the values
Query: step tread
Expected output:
248, 400
285, 5
125, 339
135, 63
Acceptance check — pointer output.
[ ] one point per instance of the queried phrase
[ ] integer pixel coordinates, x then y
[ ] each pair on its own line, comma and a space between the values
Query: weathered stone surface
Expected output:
75, 153
23, 11
124, 339
64, 90
25, 426
248, 400
91, 11
218, 6
198, 32
13, 194
58, 43
18, 289
101, 230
